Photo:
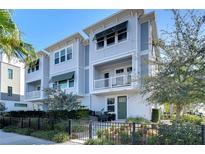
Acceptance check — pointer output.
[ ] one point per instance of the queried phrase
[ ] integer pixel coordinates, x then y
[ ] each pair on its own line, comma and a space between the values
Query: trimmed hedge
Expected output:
58, 114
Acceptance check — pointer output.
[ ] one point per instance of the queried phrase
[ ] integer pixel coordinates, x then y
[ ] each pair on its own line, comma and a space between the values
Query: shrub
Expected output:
60, 137
189, 118
23, 131
180, 134
99, 142
155, 115
61, 126
138, 120
125, 138
48, 135
79, 128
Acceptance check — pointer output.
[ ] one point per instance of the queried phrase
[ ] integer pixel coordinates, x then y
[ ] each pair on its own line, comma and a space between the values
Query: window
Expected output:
129, 70
111, 104
20, 105
144, 36
62, 52
37, 65
9, 91
71, 83
10, 73
119, 71
62, 84
29, 70
110, 39
55, 85
100, 43
56, 57
122, 35
69, 53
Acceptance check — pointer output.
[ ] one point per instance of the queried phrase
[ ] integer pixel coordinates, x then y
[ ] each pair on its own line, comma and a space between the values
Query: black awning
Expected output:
66, 76
111, 30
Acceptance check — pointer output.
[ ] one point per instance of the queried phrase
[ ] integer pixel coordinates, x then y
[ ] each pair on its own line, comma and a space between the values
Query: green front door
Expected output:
122, 107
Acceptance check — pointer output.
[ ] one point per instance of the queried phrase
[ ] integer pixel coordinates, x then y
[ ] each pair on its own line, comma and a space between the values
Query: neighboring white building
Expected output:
12, 74
101, 70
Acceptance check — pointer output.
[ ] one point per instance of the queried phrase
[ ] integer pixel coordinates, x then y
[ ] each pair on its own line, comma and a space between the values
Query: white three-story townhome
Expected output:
102, 70
36, 80
66, 65
120, 47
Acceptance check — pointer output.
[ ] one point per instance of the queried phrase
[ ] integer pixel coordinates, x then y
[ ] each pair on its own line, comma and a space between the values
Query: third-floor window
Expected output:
63, 55
34, 66
111, 36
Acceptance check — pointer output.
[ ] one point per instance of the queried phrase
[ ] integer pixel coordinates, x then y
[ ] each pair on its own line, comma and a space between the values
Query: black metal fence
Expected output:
117, 132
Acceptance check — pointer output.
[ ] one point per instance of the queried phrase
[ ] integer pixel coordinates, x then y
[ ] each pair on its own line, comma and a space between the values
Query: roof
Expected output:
64, 42
115, 15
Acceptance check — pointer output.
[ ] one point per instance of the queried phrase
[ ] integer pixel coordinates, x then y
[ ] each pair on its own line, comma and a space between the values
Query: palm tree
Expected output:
11, 42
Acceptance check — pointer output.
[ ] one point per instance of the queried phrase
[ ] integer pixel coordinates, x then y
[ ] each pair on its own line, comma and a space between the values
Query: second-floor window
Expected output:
122, 34
110, 39
10, 73
69, 53
100, 43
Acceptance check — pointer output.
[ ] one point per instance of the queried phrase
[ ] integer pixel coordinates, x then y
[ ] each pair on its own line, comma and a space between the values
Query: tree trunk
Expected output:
179, 111
171, 109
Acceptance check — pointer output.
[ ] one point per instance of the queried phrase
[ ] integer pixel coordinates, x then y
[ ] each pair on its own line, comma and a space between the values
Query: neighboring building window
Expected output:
56, 57
100, 43
10, 73
29, 70
69, 53
129, 70
111, 104
20, 105
110, 39
122, 35
55, 85
9, 91
71, 83
144, 36
62, 52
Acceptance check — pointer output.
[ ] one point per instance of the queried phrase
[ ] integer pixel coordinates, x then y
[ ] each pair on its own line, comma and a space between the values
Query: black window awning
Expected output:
111, 30
66, 76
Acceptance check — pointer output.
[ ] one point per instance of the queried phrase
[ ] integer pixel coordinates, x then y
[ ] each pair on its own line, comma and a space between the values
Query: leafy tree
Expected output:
180, 75
2, 107
11, 42
60, 100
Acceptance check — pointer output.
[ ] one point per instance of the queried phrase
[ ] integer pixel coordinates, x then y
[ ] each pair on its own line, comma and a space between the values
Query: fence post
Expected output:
10, 121
69, 127
22, 122
38, 123
29, 122
90, 129
133, 134
203, 134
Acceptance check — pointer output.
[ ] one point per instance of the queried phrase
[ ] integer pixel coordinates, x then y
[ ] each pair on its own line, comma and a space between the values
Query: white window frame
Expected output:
54, 57
70, 46
111, 104
62, 55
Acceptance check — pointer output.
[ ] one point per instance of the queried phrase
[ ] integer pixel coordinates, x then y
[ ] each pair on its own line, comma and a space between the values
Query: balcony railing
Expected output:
33, 94
113, 82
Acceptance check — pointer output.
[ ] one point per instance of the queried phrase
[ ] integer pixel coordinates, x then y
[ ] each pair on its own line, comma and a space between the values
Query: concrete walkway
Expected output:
16, 139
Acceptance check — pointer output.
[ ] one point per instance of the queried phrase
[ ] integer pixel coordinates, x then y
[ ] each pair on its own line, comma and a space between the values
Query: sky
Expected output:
42, 28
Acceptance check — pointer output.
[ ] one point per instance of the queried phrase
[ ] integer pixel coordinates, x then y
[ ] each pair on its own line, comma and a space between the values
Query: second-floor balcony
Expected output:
33, 95
113, 82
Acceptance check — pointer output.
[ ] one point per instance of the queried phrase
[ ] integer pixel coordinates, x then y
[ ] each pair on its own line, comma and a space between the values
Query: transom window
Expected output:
63, 55
111, 104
